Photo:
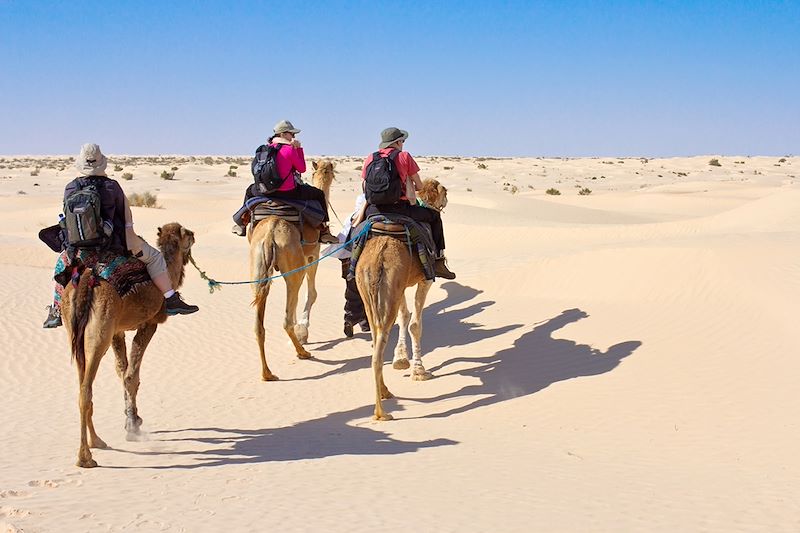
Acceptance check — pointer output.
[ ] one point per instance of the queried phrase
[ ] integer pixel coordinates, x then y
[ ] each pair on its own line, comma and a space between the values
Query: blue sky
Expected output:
465, 78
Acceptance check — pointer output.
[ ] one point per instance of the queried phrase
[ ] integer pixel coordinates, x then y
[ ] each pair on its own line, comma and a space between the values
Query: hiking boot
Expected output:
441, 271
241, 231
364, 325
325, 236
176, 306
53, 318
348, 329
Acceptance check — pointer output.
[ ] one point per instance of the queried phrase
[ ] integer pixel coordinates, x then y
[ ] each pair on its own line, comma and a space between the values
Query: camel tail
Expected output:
381, 288
263, 267
81, 310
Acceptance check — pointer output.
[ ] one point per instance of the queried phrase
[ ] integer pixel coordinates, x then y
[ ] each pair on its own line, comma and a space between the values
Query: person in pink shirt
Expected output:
291, 162
393, 139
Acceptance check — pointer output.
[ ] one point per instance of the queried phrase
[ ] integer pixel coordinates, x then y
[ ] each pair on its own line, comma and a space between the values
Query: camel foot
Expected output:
86, 462
304, 355
269, 377
385, 417
420, 374
401, 364
97, 443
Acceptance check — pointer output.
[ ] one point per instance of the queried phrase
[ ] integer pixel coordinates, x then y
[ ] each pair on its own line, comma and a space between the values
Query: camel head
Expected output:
433, 194
323, 174
174, 238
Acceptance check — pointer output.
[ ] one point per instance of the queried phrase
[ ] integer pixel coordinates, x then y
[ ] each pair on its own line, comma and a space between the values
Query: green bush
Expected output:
127, 176
714, 163
584, 191
117, 168
167, 175
231, 172
553, 192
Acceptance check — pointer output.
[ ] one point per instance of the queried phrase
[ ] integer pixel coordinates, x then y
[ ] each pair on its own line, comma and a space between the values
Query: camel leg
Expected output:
301, 329
89, 439
379, 340
418, 373
131, 379
261, 304
121, 356
293, 283
400, 361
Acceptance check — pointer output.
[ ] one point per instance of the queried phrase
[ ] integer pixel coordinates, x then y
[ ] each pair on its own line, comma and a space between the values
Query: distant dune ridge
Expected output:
618, 352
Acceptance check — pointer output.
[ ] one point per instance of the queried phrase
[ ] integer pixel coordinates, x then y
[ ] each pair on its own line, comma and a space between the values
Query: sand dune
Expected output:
622, 359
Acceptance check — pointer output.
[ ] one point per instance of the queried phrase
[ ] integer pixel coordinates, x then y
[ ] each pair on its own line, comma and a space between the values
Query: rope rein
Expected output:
215, 285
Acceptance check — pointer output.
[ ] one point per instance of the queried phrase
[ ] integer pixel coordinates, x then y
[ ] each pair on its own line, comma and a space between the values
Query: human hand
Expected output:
296, 143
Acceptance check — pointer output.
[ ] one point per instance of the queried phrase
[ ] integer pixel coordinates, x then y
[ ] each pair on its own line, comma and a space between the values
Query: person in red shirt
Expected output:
394, 139
291, 163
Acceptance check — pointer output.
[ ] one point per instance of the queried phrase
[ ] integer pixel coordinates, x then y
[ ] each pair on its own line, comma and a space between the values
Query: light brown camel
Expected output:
385, 269
276, 244
96, 318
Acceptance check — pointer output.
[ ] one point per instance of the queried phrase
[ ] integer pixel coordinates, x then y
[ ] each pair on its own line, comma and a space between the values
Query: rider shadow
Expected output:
536, 361
313, 439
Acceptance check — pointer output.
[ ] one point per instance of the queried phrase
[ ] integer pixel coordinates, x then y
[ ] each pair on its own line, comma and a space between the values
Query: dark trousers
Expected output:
418, 213
300, 192
353, 306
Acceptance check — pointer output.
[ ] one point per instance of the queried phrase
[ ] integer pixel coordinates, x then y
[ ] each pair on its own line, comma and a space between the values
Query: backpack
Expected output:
382, 184
265, 169
83, 220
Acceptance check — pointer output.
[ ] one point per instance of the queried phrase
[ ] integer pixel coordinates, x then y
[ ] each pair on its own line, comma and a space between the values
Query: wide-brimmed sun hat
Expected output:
284, 126
91, 161
392, 135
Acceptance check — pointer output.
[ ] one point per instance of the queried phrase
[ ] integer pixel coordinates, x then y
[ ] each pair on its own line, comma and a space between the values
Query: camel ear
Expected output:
159, 231
333, 164
183, 232
314, 164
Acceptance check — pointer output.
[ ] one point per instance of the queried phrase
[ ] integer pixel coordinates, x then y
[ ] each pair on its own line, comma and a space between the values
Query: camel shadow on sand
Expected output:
534, 362
328, 436
442, 326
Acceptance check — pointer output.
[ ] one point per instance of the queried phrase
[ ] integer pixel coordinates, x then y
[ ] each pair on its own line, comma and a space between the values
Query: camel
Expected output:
385, 270
276, 243
96, 318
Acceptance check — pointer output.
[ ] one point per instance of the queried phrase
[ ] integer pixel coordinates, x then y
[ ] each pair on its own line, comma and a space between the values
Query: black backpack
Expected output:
382, 184
265, 169
83, 220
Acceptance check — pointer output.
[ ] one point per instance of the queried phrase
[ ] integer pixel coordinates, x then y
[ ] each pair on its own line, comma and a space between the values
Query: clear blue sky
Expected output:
554, 78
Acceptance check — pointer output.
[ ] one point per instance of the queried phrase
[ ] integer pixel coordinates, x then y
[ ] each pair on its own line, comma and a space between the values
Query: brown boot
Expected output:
440, 269
325, 236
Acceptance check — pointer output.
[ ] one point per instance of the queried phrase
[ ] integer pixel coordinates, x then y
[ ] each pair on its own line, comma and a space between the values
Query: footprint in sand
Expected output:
5, 527
13, 494
49, 483
14, 512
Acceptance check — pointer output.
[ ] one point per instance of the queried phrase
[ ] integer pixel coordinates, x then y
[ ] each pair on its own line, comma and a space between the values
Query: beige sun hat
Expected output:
284, 126
392, 135
91, 161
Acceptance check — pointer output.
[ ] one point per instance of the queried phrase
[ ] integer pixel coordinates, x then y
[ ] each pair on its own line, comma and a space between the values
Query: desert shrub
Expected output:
513, 189
35, 171
127, 176
552, 191
448, 168
469, 190
231, 172
584, 191
174, 169
117, 168
167, 175
782, 160
359, 167
714, 163
482, 166
233, 167
145, 199
208, 160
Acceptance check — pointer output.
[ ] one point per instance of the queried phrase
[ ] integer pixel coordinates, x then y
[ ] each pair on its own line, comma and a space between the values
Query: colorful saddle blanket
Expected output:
417, 236
125, 273
294, 211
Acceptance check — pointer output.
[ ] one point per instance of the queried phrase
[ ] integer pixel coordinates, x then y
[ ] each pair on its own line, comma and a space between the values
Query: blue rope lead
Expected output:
214, 284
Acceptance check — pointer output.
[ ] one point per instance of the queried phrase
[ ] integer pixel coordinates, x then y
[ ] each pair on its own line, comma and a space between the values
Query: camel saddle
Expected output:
124, 272
416, 235
293, 211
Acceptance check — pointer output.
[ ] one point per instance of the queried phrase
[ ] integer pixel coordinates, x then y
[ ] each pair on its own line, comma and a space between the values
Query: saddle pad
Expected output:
274, 208
310, 211
125, 273
418, 238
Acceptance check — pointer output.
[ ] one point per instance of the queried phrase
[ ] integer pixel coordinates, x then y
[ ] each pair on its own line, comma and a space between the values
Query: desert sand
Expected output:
623, 359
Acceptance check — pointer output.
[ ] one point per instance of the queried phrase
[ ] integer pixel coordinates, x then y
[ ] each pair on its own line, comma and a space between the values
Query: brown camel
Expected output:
385, 269
276, 244
96, 318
